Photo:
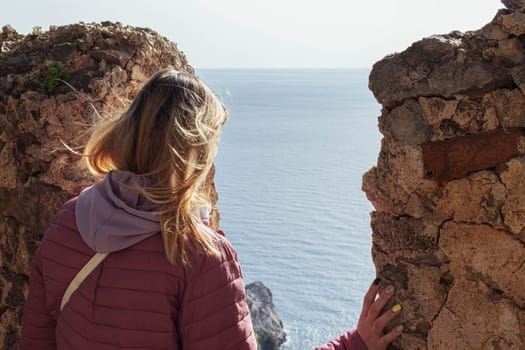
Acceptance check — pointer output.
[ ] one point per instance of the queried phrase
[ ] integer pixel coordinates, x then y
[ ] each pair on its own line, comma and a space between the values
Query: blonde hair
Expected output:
169, 134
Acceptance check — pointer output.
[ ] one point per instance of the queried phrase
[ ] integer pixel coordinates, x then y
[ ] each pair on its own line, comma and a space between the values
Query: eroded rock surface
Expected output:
449, 188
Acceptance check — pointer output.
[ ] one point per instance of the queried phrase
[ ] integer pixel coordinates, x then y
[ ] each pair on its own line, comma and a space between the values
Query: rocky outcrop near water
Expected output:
267, 325
449, 186
53, 86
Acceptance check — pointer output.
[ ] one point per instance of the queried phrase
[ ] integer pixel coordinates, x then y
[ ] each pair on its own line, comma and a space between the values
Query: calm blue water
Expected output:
289, 181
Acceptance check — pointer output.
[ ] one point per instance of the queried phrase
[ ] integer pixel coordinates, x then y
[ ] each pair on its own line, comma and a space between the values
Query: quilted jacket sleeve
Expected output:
214, 313
351, 340
38, 326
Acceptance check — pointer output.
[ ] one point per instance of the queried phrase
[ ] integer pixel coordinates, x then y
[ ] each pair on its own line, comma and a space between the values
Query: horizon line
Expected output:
269, 67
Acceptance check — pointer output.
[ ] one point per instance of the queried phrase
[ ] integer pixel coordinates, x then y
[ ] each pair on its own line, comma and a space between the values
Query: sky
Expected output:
269, 33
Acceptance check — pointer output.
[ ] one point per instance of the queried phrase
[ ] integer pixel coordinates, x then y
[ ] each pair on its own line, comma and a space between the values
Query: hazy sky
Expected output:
269, 33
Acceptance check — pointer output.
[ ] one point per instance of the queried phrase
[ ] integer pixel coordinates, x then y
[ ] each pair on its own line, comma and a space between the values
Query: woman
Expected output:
168, 281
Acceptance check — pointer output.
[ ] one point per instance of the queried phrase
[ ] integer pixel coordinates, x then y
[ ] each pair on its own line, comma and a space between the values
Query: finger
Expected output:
390, 336
379, 304
386, 317
370, 297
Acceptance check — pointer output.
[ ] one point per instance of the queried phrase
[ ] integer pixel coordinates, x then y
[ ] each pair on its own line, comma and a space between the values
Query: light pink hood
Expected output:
112, 216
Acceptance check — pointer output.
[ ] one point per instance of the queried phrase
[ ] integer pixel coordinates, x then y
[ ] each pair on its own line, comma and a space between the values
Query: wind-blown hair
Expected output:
169, 135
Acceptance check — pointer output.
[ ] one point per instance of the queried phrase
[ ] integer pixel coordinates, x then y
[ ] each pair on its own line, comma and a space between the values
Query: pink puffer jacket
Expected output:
135, 299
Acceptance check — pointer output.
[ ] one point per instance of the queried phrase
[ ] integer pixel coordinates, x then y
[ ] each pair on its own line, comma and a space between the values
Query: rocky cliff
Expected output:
266, 324
53, 87
449, 186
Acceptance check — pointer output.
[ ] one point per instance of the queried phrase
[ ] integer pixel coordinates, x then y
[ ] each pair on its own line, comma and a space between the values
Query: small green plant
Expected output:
60, 40
56, 74
37, 30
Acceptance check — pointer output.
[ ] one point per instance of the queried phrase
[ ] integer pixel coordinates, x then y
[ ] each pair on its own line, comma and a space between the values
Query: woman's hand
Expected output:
372, 323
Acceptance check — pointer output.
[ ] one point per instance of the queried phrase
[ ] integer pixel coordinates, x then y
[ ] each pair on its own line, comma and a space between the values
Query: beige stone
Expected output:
489, 120
508, 50
477, 198
452, 117
474, 318
514, 23
466, 113
405, 124
514, 209
521, 145
518, 75
445, 66
400, 175
493, 31
510, 107
422, 282
437, 109
480, 252
393, 234
370, 185
137, 74
405, 164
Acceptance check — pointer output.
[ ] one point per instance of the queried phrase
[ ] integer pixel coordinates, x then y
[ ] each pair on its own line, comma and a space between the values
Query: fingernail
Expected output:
377, 281
399, 329
389, 289
396, 308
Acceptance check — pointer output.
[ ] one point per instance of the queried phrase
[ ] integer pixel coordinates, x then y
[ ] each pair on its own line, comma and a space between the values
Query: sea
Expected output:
288, 174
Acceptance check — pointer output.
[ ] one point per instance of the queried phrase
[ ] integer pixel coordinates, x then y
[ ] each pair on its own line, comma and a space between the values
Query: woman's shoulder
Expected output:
62, 231
65, 215
224, 247
223, 262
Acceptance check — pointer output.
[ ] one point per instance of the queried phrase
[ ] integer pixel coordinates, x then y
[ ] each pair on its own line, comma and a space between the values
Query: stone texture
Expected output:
405, 124
513, 211
38, 172
449, 118
478, 198
487, 321
492, 256
493, 31
514, 23
514, 4
445, 66
510, 107
518, 75
507, 51
436, 109
8, 37
394, 233
448, 188
267, 326
391, 186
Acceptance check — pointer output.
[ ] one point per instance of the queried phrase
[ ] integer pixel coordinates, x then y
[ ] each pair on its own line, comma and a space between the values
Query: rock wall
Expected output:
449, 186
103, 66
